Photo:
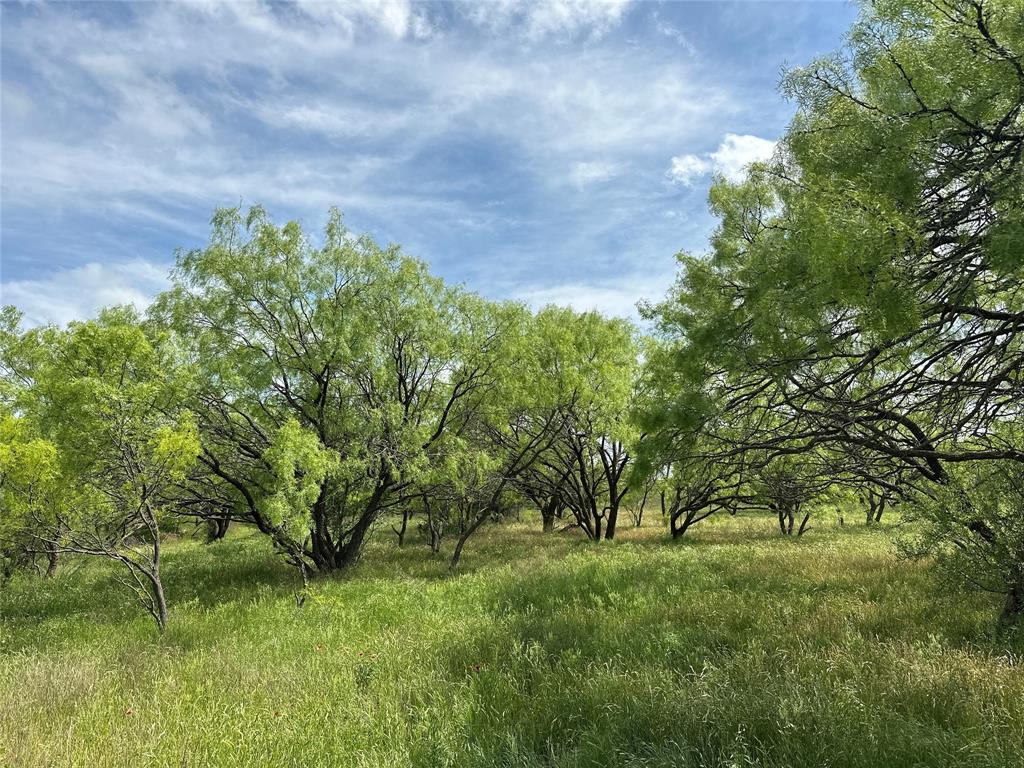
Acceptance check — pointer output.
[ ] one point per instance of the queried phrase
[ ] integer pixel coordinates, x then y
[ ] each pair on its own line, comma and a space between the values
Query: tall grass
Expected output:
735, 648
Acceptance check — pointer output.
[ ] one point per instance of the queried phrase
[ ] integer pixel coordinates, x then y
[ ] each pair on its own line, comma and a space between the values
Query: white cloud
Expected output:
396, 113
735, 153
593, 172
146, 106
616, 298
152, 138
674, 33
397, 18
77, 293
536, 20
686, 168
339, 121
731, 159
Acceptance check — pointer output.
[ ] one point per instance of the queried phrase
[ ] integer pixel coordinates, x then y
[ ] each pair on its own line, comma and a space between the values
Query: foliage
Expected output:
584, 469
349, 356
861, 310
92, 465
974, 525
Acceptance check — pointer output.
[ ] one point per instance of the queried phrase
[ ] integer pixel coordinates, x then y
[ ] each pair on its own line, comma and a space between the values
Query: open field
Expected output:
735, 648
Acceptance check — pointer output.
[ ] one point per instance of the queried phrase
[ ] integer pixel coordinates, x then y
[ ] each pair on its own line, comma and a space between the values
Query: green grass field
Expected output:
734, 648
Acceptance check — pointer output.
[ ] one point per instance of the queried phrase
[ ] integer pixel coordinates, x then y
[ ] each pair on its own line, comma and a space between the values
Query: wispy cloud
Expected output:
497, 140
76, 293
592, 172
614, 298
556, 17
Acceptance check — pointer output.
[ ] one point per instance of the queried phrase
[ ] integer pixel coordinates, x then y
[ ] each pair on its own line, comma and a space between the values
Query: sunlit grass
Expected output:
736, 647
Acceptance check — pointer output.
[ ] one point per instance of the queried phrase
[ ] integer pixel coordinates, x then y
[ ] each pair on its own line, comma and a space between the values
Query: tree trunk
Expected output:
613, 518
400, 532
547, 513
457, 554
461, 543
159, 606
161, 603
678, 530
52, 560
348, 554
434, 527
217, 528
876, 506
1013, 608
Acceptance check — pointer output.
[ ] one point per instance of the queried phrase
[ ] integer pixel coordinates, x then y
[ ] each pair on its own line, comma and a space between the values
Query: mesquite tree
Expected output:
584, 470
865, 289
563, 379
111, 448
344, 363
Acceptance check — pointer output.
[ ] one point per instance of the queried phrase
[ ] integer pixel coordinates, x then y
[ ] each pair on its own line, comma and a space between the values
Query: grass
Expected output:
735, 648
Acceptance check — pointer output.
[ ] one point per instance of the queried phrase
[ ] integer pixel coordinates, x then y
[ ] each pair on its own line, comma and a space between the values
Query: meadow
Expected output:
734, 647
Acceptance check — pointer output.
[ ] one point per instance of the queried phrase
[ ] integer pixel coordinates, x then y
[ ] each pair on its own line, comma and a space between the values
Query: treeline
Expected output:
852, 338
308, 391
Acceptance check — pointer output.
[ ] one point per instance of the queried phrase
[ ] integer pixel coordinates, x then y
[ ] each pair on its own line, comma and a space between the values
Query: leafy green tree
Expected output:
345, 364
472, 472
104, 448
561, 371
592, 360
29, 492
867, 282
863, 296
25, 459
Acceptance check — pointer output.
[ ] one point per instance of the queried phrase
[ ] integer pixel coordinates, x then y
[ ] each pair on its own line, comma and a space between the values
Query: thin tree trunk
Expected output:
161, 604
400, 532
613, 518
461, 543
52, 560
638, 520
153, 574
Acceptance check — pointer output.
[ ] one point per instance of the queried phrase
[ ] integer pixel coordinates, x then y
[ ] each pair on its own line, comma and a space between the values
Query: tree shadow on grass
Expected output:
38, 612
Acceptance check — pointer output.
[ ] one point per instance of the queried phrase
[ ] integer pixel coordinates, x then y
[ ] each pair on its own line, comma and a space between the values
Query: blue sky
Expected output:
556, 152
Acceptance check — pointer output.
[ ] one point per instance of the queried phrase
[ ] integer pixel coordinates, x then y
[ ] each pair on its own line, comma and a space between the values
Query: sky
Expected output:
546, 152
